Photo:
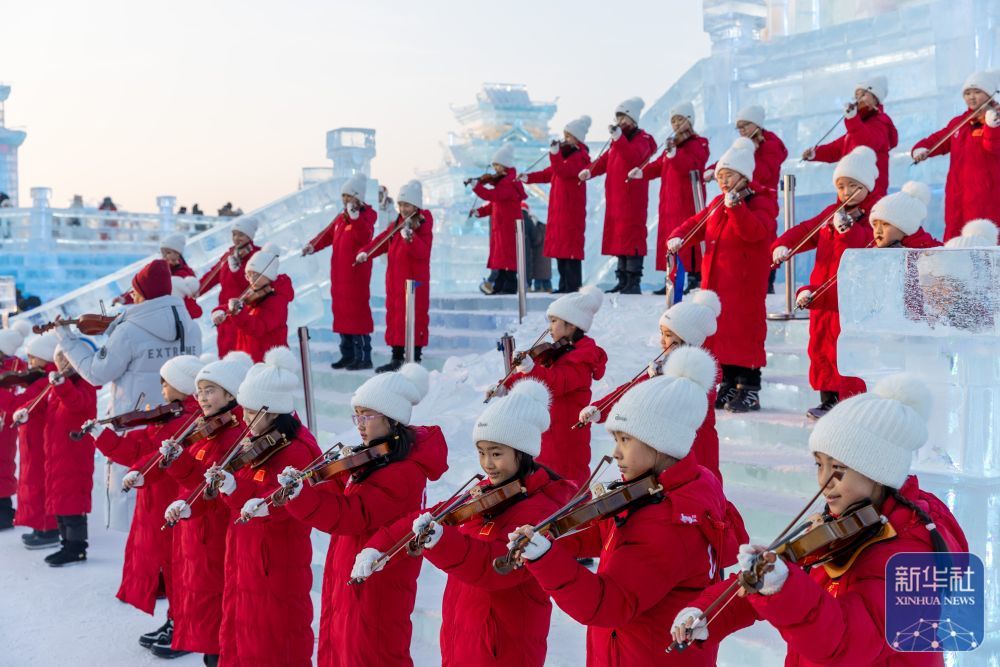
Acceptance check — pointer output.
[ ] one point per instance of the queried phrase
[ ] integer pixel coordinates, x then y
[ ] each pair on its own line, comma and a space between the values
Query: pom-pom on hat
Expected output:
180, 373
13, 337
905, 210
265, 261
504, 156
980, 233
578, 127
517, 419
153, 280
184, 286
412, 193
356, 186
246, 225
632, 107
859, 165
578, 308
876, 433
43, 347
175, 242
982, 80
739, 158
272, 384
228, 372
394, 394
752, 114
694, 319
665, 412
877, 86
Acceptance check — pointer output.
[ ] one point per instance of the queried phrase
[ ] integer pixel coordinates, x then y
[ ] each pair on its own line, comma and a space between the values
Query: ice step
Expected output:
767, 466
785, 359
787, 392
791, 429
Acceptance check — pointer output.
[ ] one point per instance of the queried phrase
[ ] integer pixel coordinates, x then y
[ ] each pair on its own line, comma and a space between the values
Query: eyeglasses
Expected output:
363, 419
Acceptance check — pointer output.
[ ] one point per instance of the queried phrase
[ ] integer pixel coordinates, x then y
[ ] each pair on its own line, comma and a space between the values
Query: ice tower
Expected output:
10, 141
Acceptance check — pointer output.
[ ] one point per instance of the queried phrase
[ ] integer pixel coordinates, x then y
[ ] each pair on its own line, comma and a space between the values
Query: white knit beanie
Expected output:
751, 114
980, 233
876, 433
412, 193
578, 308
393, 394
43, 347
175, 242
184, 286
739, 158
860, 165
356, 186
694, 319
228, 372
877, 86
685, 109
265, 261
13, 338
578, 127
518, 419
982, 80
271, 384
504, 156
666, 411
632, 107
180, 373
905, 210
247, 225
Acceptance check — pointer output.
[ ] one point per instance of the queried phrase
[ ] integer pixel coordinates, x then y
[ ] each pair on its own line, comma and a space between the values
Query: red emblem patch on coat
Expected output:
259, 475
487, 528
200, 456
833, 588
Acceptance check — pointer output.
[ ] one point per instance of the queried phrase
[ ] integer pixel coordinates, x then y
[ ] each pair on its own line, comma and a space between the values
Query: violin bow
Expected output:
649, 158
969, 116
210, 276
829, 132
158, 456
620, 391
533, 164
385, 239
590, 165
825, 221
513, 369
826, 285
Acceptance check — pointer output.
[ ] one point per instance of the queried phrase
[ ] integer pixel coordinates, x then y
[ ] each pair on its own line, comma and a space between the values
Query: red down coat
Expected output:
970, 190
200, 547
868, 128
353, 617
564, 449
566, 225
350, 286
493, 619
824, 311
920, 239
503, 205
408, 260
841, 621
69, 464
625, 201
676, 195
736, 266
266, 609
8, 429
652, 565
148, 550
263, 325
233, 284
31, 504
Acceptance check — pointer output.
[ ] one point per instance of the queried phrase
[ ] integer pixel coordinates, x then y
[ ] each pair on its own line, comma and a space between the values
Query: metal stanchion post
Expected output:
788, 190
522, 272
411, 323
307, 384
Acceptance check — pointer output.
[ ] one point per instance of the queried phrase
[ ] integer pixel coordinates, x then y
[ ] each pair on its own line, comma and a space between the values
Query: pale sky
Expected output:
216, 100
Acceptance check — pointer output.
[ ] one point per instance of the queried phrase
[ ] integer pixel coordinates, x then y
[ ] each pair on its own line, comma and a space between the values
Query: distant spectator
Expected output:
107, 205
5, 200
227, 210
538, 266
183, 210
77, 203
195, 210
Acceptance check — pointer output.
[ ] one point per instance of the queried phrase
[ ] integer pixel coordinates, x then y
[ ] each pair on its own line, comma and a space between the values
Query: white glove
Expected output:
708, 175
526, 365
234, 263
654, 368
20, 416
235, 306
635, 173
55, 378
842, 221
851, 110
254, 507
406, 233
809, 154
671, 152
434, 529
615, 131
361, 257
920, 154
553, 148
590, 414
584, 175
133, 479
353, 212
177, 510
364, 561
228, 484
218, 317
169, 449
732, 199
993, 118
674, 244
536, 547
523, 178
291, 478
781, 254
802, 300
699, 625
308, 249
772, 580
498, 390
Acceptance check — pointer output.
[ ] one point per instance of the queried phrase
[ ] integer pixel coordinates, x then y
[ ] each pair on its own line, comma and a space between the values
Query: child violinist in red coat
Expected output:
667, 545
834, 614
503, 205
896, 219
229, 273
10, 340
261, 318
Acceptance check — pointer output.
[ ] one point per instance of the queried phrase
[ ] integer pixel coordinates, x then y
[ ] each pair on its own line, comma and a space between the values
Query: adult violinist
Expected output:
260, 313
658, 551
230, 274
834, 614
508, 437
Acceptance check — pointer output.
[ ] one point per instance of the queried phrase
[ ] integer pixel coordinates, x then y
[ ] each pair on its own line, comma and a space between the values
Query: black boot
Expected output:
693, 282
633, 278
663, 290
398, 358
621, 275
770, 281
418, 354
346, 352
506, 283
726, 393
6, 513
73, 530
41, 539
747, 399
362, 353
211, 660
161, 635
163, 650
827, 399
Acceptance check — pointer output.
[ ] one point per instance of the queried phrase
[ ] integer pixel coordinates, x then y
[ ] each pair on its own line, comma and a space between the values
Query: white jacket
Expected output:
137, 344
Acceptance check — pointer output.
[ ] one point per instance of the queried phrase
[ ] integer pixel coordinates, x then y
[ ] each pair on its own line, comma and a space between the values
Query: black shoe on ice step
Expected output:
161, 635
41, 539
163, 650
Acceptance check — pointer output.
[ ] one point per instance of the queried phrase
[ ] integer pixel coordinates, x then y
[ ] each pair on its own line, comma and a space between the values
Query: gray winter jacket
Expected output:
137, 344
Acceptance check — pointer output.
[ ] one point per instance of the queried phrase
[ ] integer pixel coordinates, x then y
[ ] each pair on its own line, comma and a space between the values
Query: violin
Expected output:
251, 296
744, 193
489, 178
253, 450
12, 379
545, 354
678, 138
198, 429
350, 460
89, 324
133, 419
